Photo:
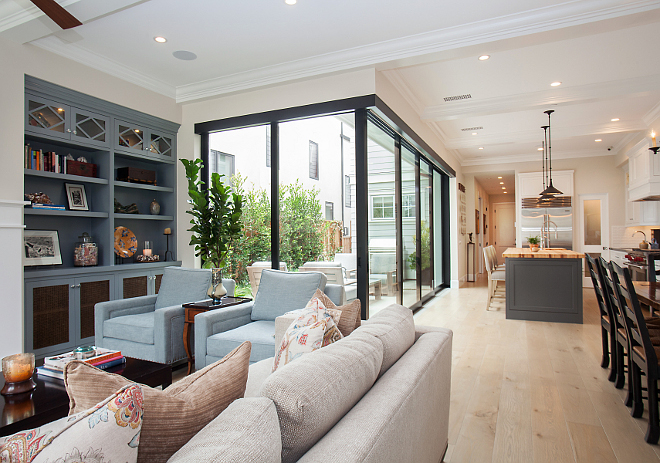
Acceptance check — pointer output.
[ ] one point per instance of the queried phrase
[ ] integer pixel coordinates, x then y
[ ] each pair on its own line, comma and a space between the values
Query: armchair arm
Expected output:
106, 310
168, 330
216, 321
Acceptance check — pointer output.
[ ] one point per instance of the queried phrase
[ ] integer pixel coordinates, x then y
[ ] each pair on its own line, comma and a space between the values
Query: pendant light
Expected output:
550, 191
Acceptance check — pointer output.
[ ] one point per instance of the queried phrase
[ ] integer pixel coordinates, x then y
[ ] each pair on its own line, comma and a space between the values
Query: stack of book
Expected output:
48, 161
56, 207
103, 358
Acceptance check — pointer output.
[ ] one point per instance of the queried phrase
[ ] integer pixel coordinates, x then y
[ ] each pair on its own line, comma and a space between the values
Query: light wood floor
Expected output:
531, 391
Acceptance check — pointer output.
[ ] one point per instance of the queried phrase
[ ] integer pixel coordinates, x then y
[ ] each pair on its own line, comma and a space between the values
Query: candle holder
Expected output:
655, 149
167, 233
18, 370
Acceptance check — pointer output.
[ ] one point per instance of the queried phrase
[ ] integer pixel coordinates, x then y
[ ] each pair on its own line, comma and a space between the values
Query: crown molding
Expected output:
652, 115
13, 14
624, 141
512, 159
395, 77
581, 94
104, 64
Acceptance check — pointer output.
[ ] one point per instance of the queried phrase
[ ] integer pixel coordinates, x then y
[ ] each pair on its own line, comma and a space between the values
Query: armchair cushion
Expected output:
259, 333
181, 285
280, 292
137, 328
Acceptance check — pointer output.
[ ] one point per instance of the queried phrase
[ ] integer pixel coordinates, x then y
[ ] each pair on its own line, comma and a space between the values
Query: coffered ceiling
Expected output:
605, 53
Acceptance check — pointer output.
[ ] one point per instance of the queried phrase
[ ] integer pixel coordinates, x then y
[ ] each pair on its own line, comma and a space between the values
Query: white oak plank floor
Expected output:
531, 391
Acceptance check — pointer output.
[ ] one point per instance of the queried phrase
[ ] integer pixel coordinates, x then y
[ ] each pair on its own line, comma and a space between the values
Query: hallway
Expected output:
531, 391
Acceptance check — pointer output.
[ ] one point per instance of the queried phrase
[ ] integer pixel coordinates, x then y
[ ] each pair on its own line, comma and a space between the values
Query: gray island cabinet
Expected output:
544, 286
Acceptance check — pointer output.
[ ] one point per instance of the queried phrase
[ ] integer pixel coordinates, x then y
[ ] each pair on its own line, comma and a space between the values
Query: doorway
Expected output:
504, 217
593, 228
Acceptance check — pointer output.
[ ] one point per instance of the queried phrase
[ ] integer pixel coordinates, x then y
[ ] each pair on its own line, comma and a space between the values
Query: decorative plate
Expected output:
125, 242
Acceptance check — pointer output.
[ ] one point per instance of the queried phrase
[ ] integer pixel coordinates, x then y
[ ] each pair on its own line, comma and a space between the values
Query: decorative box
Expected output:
136, 175
85, 169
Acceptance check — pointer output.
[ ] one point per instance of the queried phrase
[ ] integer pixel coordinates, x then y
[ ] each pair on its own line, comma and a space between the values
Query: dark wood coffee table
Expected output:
49, 401
193, 308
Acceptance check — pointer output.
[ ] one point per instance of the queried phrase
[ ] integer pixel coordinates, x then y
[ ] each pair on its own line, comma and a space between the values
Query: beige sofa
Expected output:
380, 394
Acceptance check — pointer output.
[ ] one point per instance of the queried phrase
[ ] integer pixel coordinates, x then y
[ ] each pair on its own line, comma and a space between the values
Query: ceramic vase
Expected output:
216, 290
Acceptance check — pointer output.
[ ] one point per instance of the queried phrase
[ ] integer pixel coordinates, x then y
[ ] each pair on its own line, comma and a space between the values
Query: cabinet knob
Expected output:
75, 132
73, 286
68, 130
78, 285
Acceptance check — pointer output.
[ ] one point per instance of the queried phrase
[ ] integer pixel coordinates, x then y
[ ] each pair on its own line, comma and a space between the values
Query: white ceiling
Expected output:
605, 53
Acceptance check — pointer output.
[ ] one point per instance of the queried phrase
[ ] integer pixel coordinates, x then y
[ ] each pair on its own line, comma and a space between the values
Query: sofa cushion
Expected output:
181, 285
350, 313
175, 414
395, 327
109, 431
258, 373
281, 292
314, 392
136, 328
248, 431
259, 333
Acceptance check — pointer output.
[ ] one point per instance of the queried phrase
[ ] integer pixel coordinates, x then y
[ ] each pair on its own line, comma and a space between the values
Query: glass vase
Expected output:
216, 290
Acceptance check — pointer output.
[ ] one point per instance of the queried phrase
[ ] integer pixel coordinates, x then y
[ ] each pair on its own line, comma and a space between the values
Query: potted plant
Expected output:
216, 221
533, 243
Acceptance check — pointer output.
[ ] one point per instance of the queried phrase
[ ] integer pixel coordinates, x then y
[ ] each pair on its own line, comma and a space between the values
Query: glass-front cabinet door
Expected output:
130, 137
47, 117
90, 128
161, 145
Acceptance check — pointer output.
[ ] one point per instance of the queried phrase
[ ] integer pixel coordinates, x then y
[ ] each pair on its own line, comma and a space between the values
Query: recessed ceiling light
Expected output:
504, 192
290, 2
481, 147
598, 139
539, 149
504, 188
474, 133
555, 84
501, 183
160, 39
616, 119
484, 57
499, 177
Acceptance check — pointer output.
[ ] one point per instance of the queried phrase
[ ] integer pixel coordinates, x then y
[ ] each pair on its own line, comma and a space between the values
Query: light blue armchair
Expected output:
218, 332
151, 327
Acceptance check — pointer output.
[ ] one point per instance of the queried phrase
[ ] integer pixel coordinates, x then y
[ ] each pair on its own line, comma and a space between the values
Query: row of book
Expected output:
48, 161
102, 358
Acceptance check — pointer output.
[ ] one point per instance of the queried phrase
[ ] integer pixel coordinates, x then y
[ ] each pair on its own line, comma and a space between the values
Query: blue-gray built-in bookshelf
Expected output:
62, 124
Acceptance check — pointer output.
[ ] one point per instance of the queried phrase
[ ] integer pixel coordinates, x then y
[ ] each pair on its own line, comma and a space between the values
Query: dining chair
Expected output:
494, 276
643, 354
607, 325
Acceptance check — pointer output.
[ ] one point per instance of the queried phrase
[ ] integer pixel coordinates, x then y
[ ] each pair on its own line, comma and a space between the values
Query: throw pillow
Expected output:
175, 414
350, 313
109, 431
314, 328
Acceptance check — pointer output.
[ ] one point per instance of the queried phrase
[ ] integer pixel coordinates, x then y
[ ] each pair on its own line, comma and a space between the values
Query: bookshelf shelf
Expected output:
140, 186
90, 214
142, 217
73, 178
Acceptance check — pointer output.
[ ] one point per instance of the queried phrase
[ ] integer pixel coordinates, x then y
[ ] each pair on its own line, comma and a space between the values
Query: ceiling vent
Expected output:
471, 129
457, 97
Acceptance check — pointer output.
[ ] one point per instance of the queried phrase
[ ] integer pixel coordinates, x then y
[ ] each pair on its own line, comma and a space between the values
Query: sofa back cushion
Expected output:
313, 393
280, 292
395, 327
248, 430
181, 285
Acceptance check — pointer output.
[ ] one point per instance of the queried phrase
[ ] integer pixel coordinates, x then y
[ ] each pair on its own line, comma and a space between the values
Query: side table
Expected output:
194, 308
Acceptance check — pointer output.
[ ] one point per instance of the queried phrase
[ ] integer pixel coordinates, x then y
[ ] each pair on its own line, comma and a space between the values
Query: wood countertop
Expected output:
543, 254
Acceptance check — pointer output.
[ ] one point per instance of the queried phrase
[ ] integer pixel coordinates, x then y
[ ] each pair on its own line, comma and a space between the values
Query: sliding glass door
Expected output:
409, 191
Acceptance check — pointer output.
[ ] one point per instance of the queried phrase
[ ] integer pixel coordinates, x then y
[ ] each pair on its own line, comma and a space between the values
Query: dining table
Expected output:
648, 293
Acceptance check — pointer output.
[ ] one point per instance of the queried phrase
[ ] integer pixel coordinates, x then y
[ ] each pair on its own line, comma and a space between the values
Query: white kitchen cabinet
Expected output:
644, 172
640, 212
530, 184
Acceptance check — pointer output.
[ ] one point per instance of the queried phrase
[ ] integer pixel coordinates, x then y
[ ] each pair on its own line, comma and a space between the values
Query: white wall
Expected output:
18, 60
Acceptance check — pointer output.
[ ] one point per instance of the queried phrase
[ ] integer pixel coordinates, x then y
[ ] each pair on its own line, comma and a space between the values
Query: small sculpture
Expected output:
130, 209
38, 198
154, 207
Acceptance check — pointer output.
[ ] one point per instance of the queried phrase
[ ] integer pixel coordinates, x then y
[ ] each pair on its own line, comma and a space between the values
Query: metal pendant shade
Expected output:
549, 191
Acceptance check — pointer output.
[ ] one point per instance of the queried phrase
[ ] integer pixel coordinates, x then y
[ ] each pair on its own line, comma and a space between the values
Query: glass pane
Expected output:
130, 138
91, 293
160, 145
383, 279
437, 229
50, 316
235, 154
410, 295
89, 127
46, 117
592, 232
316, 156
425, 173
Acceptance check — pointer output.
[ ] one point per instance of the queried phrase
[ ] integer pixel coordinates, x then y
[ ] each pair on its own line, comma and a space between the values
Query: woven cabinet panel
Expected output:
135, 286
50, 316
91, 293
159, 278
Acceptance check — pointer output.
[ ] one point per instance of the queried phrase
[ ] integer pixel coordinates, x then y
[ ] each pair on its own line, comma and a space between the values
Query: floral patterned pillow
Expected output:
107, 432
314, 328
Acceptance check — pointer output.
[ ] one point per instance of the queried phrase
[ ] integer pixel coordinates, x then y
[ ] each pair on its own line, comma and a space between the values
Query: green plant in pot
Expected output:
533, 243
216, 221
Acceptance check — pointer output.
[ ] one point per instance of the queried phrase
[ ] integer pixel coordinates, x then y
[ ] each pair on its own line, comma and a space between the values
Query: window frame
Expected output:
314, 153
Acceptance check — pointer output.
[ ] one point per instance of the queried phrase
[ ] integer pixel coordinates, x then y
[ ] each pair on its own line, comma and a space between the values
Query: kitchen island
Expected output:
544, 286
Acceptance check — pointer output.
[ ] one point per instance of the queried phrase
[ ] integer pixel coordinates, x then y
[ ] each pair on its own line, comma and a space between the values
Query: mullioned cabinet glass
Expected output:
136, 139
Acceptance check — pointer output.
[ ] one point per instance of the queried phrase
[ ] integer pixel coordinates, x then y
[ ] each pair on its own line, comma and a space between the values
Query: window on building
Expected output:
382, 207
347, 191
329, 211
408, 205
313, 160
222, 163
268, 146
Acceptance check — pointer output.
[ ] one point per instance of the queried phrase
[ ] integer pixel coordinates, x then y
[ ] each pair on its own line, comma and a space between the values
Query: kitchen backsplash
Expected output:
622, 237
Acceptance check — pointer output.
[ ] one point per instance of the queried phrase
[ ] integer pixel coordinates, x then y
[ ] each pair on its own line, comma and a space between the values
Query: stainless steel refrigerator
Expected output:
555, 217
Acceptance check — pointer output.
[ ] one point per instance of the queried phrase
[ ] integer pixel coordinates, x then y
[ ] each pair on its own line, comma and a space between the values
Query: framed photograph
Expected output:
476, 221
42, 247
77, 197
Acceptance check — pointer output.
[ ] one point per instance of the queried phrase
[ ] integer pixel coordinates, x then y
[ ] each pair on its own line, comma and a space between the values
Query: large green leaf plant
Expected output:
216, 215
